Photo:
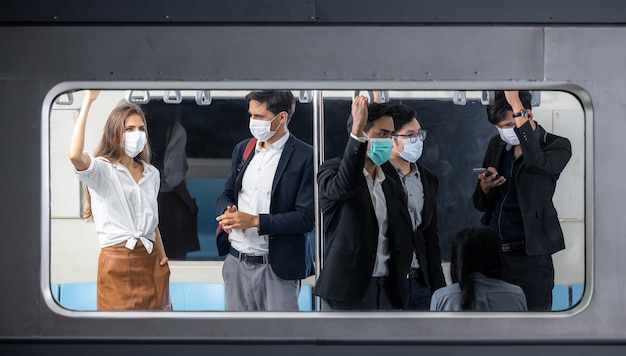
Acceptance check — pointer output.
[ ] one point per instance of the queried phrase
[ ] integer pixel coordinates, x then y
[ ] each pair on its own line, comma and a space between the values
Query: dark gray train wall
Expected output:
390, 12
40, 59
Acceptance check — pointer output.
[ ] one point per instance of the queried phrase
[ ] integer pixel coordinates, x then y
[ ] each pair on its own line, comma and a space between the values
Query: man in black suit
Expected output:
366, 237
267, 211
424, 274
524, 162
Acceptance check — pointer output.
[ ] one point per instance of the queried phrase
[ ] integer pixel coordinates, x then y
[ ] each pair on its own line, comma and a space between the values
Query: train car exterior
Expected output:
316, 45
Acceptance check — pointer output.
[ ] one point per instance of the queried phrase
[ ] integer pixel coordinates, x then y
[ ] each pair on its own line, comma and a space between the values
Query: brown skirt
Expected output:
132, 279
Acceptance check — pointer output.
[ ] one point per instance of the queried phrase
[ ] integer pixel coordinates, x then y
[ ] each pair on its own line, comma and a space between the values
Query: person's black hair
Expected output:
475, 249
402, 115
497, 111
276, 101
374, 112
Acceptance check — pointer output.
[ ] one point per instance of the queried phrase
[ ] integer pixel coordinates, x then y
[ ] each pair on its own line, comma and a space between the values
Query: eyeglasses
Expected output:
413, 137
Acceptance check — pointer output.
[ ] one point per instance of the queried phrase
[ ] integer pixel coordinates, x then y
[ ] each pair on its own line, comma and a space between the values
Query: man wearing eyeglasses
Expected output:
423, 273
525, 162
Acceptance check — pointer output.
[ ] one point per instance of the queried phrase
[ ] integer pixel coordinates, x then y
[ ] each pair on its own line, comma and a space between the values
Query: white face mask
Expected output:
412, 151
134, 142
508, 136
260, 129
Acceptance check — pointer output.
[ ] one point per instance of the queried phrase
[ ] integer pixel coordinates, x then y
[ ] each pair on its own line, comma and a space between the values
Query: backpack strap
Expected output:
246, 153
249, 147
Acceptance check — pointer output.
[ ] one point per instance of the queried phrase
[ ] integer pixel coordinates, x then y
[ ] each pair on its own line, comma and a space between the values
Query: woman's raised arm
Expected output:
79, 159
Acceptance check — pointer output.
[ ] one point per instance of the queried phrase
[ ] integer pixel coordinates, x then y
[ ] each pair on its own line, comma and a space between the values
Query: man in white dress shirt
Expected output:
267, 210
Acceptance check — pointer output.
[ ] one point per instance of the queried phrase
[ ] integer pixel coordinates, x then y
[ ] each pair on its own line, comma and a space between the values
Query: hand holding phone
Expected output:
483, 170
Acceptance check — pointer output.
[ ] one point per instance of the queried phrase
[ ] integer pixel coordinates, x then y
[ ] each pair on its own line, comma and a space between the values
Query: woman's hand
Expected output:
92, 95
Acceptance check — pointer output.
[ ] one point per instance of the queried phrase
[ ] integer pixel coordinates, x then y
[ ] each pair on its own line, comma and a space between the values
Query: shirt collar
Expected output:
120, 167
413, 170
380, 175
478, 275
278, 145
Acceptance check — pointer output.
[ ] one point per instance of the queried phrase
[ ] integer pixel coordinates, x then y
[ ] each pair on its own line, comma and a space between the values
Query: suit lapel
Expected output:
288, 151
497, 159
368, 194
542, 143
428, 196
389, 195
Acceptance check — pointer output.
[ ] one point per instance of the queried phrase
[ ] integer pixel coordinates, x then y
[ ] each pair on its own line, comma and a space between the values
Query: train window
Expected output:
211, 123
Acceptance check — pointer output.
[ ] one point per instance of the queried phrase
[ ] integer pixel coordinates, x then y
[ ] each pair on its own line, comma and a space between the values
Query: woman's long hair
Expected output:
475, 249
111, 144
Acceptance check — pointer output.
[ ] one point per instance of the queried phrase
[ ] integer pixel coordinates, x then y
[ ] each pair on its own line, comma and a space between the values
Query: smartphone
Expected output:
483, 170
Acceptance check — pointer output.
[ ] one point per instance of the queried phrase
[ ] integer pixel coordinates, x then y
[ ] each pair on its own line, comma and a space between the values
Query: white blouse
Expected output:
124, 211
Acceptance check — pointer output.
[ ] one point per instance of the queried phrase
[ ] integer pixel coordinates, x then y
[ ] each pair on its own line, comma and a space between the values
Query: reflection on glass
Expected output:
457, 140
178, 212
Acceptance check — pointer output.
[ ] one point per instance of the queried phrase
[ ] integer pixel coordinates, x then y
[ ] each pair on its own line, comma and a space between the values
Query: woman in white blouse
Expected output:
121, 199
477, 268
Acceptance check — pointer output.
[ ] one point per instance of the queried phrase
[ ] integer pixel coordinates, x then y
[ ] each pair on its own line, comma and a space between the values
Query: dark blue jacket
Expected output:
292, 213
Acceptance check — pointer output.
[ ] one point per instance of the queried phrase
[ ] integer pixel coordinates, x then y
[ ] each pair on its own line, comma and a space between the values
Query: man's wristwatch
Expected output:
522, 113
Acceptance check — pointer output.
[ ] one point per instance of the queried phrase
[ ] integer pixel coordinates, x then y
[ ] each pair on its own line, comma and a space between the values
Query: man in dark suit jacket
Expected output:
524, 162
267, 211
365, 238
423, 272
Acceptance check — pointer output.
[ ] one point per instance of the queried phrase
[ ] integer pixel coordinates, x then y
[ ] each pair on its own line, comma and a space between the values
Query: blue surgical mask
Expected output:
380, 150
412, 151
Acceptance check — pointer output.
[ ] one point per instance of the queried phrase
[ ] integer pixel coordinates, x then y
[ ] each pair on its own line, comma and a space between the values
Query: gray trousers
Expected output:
252, 286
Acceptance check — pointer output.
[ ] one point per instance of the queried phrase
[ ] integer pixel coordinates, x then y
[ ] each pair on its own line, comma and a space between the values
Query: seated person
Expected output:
476, 269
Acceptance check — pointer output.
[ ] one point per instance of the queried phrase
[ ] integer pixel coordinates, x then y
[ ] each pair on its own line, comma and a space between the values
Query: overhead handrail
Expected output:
169, 99
305, 96
384, 96
143, 99
203, 97
369, 94
487, 97
536, 98
69, 101
459, 97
